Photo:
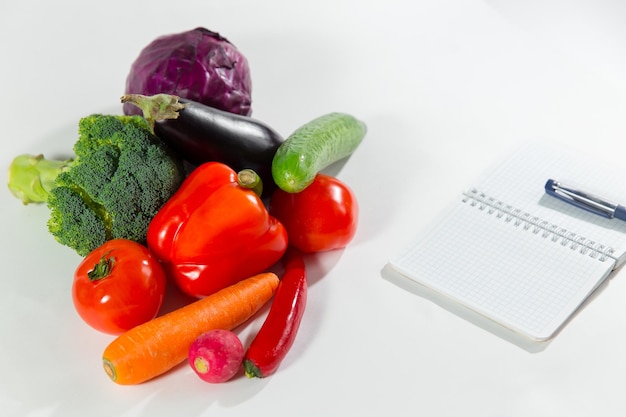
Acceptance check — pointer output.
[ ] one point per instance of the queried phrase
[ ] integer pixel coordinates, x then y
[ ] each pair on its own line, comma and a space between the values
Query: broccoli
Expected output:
120, 176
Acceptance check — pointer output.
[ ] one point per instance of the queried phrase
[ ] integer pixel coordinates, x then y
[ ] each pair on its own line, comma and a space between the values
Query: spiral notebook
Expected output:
516, 256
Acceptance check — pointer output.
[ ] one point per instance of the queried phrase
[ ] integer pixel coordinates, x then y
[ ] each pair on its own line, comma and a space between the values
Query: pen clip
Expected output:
581, 199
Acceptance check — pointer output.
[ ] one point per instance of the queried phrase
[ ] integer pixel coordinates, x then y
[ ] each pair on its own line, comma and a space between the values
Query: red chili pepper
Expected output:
278, 332
215, 232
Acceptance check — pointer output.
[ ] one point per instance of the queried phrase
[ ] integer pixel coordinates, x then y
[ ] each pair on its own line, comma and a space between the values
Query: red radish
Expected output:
216, 355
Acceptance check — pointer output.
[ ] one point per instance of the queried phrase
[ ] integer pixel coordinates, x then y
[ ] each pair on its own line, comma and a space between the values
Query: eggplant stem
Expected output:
156, 107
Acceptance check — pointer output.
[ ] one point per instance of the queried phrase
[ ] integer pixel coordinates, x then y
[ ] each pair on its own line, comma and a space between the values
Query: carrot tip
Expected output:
109, 369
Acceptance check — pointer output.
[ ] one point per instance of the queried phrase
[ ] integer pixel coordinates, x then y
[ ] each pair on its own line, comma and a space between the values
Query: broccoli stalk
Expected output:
121, 175
31, 177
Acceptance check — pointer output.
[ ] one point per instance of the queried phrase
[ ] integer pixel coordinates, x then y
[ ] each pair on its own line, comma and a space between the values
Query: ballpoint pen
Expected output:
585, 201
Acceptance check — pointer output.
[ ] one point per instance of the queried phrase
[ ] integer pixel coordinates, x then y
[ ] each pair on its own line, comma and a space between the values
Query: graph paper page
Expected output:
519, 181
517, 277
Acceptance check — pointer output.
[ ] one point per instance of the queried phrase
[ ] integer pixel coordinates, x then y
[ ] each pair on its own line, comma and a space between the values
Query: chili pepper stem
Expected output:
251, 370
247, 178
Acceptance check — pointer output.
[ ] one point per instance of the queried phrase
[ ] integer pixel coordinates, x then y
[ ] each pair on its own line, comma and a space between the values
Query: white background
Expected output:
446, 88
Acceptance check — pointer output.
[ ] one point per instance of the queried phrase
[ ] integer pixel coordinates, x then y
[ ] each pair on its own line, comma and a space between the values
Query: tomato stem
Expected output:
102, 269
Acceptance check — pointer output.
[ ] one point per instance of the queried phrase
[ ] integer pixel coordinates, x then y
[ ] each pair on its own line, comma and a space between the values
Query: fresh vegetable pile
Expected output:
120, 177
186, 187
199, 65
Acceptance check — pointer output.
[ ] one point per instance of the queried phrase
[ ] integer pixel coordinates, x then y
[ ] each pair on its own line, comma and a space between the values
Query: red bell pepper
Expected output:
214, 232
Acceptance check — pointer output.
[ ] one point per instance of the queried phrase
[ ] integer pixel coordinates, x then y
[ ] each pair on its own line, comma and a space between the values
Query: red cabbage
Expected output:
198, 65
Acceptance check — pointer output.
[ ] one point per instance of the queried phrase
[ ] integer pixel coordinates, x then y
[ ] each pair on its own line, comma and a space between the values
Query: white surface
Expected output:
445, 87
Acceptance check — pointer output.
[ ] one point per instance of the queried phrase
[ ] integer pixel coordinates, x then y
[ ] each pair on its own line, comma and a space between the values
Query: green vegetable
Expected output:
120, 177
313, 147
31, 177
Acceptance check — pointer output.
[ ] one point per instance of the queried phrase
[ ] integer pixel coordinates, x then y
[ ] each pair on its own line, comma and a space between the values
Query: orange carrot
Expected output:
156, 346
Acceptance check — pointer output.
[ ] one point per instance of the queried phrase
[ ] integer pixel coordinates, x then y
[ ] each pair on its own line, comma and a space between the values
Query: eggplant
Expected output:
198, 133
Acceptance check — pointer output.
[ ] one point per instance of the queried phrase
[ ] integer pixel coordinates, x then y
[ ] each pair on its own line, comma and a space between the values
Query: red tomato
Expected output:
322, 217
118, 286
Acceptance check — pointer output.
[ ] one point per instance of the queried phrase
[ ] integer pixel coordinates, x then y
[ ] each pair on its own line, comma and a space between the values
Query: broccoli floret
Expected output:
76, 223
120, 177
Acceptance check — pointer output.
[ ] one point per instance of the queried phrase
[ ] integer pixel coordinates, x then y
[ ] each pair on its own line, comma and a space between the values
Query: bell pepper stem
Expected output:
247, 178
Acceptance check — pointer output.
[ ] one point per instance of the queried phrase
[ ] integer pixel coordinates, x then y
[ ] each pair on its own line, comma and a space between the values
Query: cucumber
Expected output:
313, 147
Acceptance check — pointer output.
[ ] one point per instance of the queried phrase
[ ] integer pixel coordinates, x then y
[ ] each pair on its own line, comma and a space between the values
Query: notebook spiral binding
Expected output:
537, 226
